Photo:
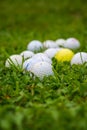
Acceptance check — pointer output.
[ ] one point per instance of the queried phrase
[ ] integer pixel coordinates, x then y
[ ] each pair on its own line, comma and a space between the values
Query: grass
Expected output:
60, 101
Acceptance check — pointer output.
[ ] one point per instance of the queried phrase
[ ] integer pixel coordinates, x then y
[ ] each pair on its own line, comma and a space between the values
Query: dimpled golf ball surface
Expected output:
72, 43
49, 44
42, 69
27, 54
51, 52
64, 55
35, 45
14, 60
60, 42
79, 58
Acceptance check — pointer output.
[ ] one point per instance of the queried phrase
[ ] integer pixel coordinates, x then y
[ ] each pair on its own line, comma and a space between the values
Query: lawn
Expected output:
58, 102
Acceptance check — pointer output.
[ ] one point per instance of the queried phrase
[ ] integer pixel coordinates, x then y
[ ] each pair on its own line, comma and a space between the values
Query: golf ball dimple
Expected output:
27, 54
49, 44
42, 69
60, 42
72, 43
14, 60
79, 58
64, 55
51, 52
35, 45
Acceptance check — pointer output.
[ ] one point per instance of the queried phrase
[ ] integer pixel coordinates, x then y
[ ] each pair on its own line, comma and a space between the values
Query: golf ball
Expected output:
60, 42
51, 52
72, 43
64, 55
14, 60
42, 57
30, 62
49, 44
27, 54
35, 45
42, 69
79, 58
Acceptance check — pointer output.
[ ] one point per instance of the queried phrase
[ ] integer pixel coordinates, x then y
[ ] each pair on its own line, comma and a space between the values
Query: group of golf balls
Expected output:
37, 58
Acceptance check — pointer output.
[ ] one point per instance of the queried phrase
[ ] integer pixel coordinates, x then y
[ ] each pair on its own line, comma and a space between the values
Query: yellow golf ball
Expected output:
64, 55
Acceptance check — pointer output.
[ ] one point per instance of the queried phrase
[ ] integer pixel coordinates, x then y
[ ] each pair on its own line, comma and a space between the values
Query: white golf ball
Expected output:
42, 69
51, 52
60, 42
14, 60
42, 57
35, 59
28, 64
49, 44
79, 58
72, 43
27, 54
35, 45
59, 48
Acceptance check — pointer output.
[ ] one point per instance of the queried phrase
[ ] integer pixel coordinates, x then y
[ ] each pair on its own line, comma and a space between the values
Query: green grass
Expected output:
58, 102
